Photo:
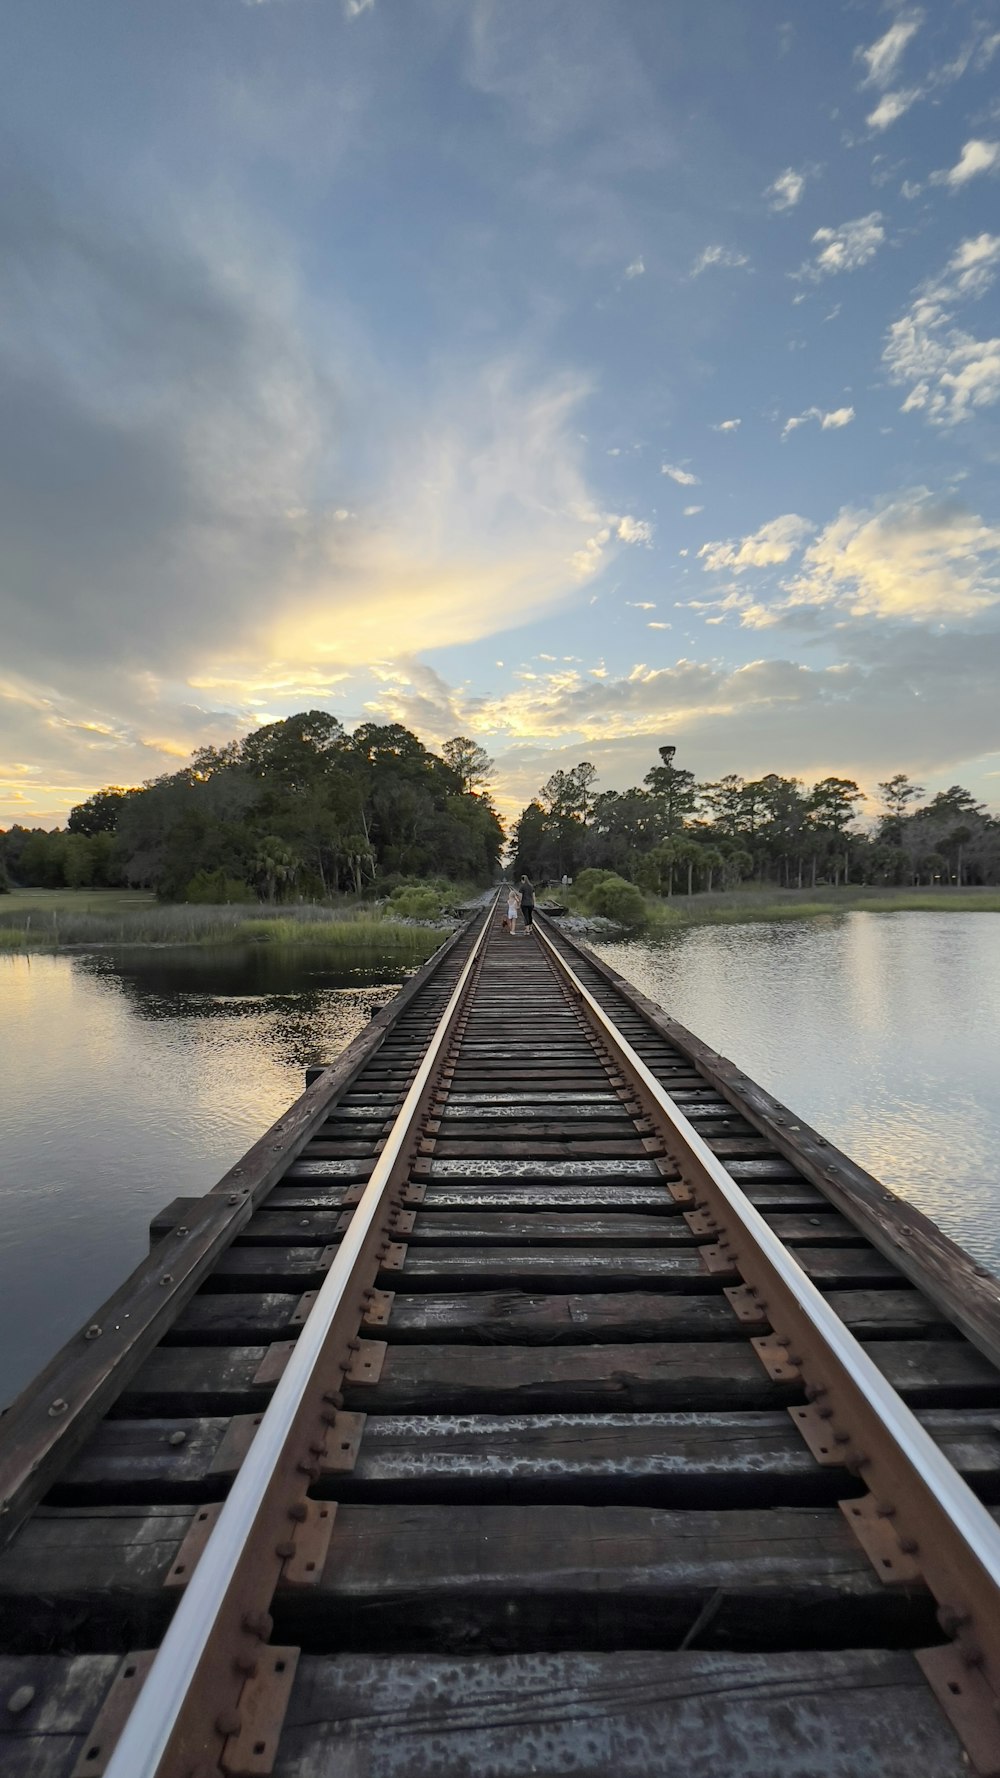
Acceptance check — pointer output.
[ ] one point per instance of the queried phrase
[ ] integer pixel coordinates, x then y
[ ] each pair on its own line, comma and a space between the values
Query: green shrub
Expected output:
413, 901
618, 901
589, 878
213, 887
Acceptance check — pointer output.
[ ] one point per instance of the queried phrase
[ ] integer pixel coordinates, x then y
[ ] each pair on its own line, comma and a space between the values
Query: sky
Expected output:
579, 375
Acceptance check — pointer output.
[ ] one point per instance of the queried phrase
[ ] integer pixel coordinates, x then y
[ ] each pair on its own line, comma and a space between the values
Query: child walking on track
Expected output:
512, 906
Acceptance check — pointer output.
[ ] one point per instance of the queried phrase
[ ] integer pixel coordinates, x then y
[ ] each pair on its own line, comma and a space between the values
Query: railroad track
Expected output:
538, 1396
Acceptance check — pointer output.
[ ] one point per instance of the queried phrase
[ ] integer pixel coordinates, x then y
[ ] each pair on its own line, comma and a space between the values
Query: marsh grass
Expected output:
337, 929
738, 906
734, 907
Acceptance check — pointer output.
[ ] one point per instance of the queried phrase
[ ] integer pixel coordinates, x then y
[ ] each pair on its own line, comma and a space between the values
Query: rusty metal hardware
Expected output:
746, 1305
303, 1307
379, 1308
701, 1222
343, 1442
875, 1531
273, 1362
681, 1192
310, 1540
113, 1715
967, 1701
773, 1354
718, 1258
191, 1545
393, 1258
234, 1444
250, 1750
365, 1365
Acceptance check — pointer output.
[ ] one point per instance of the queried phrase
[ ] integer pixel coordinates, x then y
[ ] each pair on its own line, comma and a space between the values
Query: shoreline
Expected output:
737, 907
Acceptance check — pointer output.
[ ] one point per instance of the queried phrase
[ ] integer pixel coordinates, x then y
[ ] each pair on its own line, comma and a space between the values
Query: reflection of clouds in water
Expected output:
121, 1090
883, 1030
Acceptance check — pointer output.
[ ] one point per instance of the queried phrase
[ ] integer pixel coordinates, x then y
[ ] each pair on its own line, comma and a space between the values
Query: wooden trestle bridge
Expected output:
537, 1396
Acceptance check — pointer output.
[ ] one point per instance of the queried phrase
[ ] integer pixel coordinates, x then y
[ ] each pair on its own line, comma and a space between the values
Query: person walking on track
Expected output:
512, 907
528, 904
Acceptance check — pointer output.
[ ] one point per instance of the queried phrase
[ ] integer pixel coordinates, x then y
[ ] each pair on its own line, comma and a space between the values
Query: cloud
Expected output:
976, 157
840, 416
630, 530
207, 501
636, 269
892, 106
717, 256
786, 191
917, 557
689, 511
641, 604
728, 426
950, 372
844, 249
683, 477
354, 8
881, 58
773, 544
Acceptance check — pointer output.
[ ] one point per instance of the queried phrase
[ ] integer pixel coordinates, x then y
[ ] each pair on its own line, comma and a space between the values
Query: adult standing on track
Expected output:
528, 903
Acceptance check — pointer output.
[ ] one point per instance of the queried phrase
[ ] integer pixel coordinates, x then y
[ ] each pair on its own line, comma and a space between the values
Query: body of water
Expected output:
125, 1083
882, 1030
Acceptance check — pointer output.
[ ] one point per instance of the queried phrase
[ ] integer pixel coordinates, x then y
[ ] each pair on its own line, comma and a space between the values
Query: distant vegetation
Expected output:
673, 836
298, 811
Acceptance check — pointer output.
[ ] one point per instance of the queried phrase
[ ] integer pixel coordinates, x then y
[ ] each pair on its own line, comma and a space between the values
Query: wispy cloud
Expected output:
728, 426
881, 58
636, 269
786, 191
832, 421
683, 477
718, 256
976, 157
844, 249
950, 372
689, 511
892, 106
354, 8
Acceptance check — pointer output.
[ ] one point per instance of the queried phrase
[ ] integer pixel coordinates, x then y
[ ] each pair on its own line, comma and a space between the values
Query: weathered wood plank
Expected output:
640, 1714
534, 1319
566, 1268
691, 1459
636, 1714
574, 1576
696, 1375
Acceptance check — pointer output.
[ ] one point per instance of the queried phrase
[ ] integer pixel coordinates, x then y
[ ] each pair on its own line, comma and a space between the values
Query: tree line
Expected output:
299, 809
672, 833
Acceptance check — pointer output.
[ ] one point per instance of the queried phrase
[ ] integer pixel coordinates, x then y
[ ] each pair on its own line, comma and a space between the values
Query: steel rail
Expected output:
959, 1513
146, 1737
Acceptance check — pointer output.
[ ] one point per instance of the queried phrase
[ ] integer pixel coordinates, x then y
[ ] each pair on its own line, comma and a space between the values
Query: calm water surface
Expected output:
882, 1030
126, 1084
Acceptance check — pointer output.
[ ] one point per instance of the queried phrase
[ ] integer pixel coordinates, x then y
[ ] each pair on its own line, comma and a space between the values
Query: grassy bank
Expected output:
33, 920
737, 906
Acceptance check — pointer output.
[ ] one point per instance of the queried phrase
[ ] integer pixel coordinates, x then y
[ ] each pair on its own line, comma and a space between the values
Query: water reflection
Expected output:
881, 1029
125, 1084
